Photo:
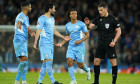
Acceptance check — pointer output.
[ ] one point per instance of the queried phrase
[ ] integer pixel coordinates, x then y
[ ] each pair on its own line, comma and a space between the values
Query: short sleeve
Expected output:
116, 23
84, 27
66, 28
20, 18
40, 23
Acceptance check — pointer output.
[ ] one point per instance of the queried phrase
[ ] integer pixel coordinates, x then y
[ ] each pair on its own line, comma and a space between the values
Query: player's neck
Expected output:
48, 15
25, 12
73, 21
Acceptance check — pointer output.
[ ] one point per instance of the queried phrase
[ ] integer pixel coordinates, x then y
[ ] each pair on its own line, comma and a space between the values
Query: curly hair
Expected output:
68, 14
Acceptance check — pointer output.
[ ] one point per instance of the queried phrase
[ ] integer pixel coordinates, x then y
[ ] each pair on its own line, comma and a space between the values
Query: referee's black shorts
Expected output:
103, 49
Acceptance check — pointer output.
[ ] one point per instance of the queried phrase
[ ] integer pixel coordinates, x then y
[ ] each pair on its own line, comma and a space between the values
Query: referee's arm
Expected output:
118, 33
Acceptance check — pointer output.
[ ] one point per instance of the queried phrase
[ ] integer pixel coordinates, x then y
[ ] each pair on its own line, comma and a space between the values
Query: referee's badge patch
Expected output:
107, 25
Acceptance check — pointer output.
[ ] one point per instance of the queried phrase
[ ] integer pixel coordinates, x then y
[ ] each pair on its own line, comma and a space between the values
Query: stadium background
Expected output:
127, 47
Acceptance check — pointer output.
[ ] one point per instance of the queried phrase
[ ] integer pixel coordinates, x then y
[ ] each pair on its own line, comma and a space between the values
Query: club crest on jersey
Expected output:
46, 56
107, 25
77, 26
21, 18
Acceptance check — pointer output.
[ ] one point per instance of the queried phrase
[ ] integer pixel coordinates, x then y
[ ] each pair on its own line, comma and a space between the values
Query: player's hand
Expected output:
112, 44
67, 38
77, 42
33, 34
58, 45
35, 46
87, 21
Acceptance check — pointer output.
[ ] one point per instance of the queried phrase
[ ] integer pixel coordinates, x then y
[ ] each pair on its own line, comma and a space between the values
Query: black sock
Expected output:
96, 73
114, 74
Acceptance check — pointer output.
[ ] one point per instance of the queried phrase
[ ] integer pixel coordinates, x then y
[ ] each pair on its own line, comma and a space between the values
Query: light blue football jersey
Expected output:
21, 34
47, 29
75, 32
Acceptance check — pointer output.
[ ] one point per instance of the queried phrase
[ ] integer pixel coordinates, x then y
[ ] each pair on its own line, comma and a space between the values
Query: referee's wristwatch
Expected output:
114, 41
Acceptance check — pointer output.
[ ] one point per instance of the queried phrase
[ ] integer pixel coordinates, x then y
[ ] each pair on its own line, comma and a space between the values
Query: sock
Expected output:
25, 69
71, 73
114, 73
20, 69
42, 72
96, 73
49, 71
85, 68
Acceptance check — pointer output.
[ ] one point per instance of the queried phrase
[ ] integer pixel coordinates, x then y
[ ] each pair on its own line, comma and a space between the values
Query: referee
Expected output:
109, 31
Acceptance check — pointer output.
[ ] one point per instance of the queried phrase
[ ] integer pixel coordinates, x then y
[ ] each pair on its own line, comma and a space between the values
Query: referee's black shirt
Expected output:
106, 27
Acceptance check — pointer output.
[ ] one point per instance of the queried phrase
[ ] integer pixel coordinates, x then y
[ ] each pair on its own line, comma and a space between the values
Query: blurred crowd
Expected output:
126, 11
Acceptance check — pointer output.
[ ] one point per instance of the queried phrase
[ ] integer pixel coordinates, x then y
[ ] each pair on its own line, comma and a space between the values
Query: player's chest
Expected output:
49, 24
26, 23
74, 28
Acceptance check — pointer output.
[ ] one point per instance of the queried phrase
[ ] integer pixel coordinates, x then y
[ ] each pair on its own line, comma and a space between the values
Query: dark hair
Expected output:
48, 4
104, 5
25, 3
68, 14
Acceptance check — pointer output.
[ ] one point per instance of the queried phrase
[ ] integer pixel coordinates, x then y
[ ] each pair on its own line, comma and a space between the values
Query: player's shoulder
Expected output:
20, 15
68, 23
52, 17
81, 22
41, 17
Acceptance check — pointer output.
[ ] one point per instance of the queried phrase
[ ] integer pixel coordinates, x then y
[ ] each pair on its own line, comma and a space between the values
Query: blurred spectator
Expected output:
126, 11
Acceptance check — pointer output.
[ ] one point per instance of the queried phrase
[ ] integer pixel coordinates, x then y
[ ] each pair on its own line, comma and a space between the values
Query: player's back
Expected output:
76, 32
21, 34
47, 29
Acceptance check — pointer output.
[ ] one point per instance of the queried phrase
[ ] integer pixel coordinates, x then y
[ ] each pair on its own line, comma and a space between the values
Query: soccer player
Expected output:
109, 31
21, 41
76, 49
46, 30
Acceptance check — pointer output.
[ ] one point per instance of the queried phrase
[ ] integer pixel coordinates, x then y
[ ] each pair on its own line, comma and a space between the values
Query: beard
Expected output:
29, 11
52, 14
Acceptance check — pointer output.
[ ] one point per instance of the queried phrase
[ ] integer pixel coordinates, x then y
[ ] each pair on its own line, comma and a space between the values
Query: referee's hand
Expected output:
112, 44
87, 21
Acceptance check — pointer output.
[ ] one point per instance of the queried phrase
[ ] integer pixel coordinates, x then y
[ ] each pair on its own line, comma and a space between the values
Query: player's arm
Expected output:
19, 24
36, 37
89, 24
30, 32
85, 37
60, 35
62, 43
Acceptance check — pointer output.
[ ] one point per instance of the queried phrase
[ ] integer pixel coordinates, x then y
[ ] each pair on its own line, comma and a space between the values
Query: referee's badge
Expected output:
107, 25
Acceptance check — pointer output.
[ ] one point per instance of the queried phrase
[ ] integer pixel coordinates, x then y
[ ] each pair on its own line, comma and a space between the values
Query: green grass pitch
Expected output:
9, 78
